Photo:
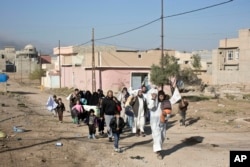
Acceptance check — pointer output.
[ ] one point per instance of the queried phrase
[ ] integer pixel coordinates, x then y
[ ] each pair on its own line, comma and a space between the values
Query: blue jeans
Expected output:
107, 120
116, 139
130, 121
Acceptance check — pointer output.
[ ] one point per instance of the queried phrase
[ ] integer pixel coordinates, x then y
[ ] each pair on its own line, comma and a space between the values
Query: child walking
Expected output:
183, 105
92, 123
77, 111
117, 124
54, 111
60, 109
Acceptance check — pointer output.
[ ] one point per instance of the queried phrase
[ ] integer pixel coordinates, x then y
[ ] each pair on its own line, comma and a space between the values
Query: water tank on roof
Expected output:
4, 77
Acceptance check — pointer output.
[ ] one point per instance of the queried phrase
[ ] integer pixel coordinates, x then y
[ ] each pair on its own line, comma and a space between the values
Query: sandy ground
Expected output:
215, 127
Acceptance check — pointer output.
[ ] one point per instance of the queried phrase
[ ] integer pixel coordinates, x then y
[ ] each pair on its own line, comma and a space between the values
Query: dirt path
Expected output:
212, 133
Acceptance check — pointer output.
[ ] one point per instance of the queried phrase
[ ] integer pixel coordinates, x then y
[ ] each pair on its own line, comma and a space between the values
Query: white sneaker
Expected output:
89, 137
117, 150
93, 137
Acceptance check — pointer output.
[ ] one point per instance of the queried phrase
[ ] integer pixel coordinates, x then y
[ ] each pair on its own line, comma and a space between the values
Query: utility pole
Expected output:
162, 38
21, 68
59, 64
40, 61
93, 63
40, 57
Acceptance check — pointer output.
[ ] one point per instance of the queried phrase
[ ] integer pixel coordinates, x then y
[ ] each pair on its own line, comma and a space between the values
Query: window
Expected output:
237, 55
230, 55
2, 56
137, 79
139, 56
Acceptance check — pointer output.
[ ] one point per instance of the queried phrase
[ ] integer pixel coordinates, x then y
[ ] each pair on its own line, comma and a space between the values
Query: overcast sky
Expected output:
45, 22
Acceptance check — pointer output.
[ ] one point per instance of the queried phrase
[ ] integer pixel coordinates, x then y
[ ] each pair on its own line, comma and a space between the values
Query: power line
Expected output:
125, 32
151, 22
84, 43
196, 10
119, 45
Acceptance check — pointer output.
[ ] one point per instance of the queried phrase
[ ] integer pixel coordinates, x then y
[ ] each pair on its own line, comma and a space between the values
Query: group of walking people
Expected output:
133, 109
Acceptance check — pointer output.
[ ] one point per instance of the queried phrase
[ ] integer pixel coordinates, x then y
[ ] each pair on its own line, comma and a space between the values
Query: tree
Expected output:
161, 75
196, 61
37, 74
188, 76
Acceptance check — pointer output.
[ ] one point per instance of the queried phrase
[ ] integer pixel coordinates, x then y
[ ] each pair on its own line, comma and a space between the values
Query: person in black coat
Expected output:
117, 124
108, 109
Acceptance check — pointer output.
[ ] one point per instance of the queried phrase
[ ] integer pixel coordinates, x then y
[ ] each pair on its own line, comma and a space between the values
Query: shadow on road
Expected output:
185, 143
191, 121
138, 144
22, 92
170, 124
42, 143
10, 118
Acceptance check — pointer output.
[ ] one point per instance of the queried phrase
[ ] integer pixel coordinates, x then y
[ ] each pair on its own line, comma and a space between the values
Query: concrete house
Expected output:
113, 69
231, 61
7, 59
26, 60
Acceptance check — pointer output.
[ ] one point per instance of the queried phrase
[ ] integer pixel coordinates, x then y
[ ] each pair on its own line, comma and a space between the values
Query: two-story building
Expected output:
231, 61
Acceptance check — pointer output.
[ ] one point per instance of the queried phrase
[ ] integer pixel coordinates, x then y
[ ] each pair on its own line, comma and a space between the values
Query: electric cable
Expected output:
151, 22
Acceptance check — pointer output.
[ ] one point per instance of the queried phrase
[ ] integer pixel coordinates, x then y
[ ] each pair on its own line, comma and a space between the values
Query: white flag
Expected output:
51, 104
176, 96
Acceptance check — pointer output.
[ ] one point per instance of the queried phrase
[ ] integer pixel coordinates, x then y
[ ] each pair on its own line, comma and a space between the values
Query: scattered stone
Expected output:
43, 160
137, 157
203, 125
247, 120
237, 126
214, 145
221, 105
2, 134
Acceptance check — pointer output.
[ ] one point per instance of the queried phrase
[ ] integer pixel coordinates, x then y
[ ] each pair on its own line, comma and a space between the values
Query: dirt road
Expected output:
214, 129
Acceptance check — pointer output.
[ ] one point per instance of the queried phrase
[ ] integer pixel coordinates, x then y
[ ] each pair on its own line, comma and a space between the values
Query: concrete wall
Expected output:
26, 66
114, 79
50, 81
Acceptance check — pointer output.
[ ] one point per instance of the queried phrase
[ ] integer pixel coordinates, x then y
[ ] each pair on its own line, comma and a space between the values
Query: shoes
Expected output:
143, 134
89, 136
159, 156
117, 150
110, 139
182, 124
93, 137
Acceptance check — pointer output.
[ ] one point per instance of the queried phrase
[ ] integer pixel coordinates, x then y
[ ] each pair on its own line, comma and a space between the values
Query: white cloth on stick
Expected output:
176, 96
51, 104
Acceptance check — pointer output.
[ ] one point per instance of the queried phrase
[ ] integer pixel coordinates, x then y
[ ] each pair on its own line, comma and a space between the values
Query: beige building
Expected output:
26, 61
113, 67
231, 61
7, 59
